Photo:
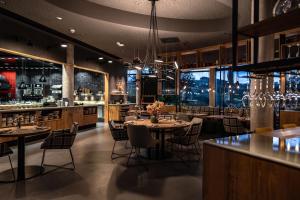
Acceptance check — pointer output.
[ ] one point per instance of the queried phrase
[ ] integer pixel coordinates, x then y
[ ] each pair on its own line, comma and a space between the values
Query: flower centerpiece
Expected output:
154, 109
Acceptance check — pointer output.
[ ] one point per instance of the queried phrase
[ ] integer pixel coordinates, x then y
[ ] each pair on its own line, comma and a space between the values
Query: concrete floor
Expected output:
97, 177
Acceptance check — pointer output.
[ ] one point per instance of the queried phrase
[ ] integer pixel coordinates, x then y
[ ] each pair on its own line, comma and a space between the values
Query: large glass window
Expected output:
131, 85
194, 88
231, 87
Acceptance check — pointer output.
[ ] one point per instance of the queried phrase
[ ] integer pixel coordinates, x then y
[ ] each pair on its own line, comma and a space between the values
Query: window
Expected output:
231, 87
131, 85
194, 88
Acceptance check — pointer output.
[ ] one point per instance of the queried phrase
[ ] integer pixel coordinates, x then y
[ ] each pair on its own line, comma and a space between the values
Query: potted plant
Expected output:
154, 109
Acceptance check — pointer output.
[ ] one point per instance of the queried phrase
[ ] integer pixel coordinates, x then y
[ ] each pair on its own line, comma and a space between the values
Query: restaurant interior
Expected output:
150, 99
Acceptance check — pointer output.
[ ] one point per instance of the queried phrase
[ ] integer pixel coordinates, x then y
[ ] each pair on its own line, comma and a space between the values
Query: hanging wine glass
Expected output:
298, 45
284, 6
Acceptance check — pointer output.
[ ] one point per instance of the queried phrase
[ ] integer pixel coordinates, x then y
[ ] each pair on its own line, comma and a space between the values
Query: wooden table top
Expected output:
162, 124
283, 133
23, 131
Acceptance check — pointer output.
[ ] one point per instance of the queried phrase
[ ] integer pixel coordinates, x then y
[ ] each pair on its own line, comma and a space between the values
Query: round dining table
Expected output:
21, 134
161, 128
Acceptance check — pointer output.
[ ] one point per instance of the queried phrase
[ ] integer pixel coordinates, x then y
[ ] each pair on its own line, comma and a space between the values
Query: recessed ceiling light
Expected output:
120, 44
100, 58
59, 18
110, 61
64, 45
72, 30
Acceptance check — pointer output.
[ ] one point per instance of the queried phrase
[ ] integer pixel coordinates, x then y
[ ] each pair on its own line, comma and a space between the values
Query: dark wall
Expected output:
23, 38
87, 79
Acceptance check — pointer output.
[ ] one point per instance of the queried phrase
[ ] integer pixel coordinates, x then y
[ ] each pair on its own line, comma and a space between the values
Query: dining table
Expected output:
160, 129
20, 134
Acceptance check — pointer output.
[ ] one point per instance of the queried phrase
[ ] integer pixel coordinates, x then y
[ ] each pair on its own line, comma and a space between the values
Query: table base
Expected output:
30, 171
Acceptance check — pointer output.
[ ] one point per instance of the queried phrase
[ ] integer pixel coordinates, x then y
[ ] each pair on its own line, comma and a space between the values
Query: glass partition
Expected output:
131, 85
194, 88
230, 87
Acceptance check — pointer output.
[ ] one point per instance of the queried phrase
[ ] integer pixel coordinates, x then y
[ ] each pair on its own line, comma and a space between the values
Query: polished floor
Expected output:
97, 177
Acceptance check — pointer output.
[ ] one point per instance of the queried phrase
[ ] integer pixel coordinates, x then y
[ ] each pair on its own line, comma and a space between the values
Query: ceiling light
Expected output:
64, 45
152, 76
100, 58
138, 67
120, 44
72, 30
158, 61
59, 18
110, 61
176, 65
169, 77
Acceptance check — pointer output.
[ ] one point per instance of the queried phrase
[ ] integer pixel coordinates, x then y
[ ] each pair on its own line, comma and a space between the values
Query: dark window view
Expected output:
231, 87
194, 88
131, 85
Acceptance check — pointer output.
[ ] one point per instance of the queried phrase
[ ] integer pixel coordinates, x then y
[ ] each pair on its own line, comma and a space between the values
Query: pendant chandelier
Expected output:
43, 77
151, 59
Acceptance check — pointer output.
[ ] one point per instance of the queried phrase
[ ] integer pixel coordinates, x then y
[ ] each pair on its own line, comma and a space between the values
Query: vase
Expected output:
284, 6
154, 119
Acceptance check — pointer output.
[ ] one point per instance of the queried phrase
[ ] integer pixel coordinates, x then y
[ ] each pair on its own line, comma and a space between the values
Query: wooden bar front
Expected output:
230, 175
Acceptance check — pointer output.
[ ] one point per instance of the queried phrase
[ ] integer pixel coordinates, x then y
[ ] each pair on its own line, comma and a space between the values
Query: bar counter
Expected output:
54, 117
251, 167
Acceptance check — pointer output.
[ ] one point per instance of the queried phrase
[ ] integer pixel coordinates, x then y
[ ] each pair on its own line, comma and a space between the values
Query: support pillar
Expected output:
262, 116
212, 86
68, 76
138, 86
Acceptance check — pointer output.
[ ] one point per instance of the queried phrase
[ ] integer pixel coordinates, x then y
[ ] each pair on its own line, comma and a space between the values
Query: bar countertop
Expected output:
284, 151
22, 109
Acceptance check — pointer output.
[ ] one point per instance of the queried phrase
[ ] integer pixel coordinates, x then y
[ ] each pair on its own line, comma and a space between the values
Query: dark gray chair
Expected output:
119, 133
140, 138
190, 139
6, 151
233, 126
63, 139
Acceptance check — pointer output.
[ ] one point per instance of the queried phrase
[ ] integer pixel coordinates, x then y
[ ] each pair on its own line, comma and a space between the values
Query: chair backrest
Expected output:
139, 136
130, 118
232, 125
74, 128
196, 120
284, 126
194, 131
263, 130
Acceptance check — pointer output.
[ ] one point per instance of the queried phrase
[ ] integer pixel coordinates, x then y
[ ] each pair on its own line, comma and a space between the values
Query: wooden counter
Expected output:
289, 117
54, 117
251, 167
118, 112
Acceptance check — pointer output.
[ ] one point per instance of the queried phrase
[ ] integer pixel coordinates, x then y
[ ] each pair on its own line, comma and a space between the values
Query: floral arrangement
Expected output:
154, 108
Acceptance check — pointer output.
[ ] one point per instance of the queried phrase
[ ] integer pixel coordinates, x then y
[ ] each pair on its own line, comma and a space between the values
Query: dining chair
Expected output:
6, 151
63, 139
119, 133
140, 138
183, 117
233, 126
263, 130
190, 139
285, 126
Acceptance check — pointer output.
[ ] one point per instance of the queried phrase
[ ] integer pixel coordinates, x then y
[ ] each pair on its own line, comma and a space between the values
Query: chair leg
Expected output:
42, 163
112, 152
129, 156
72, 158
12, 169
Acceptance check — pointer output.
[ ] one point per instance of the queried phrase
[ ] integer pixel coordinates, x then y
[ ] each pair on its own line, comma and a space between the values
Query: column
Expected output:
212, 86
138, 86
263, 116
68, 76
